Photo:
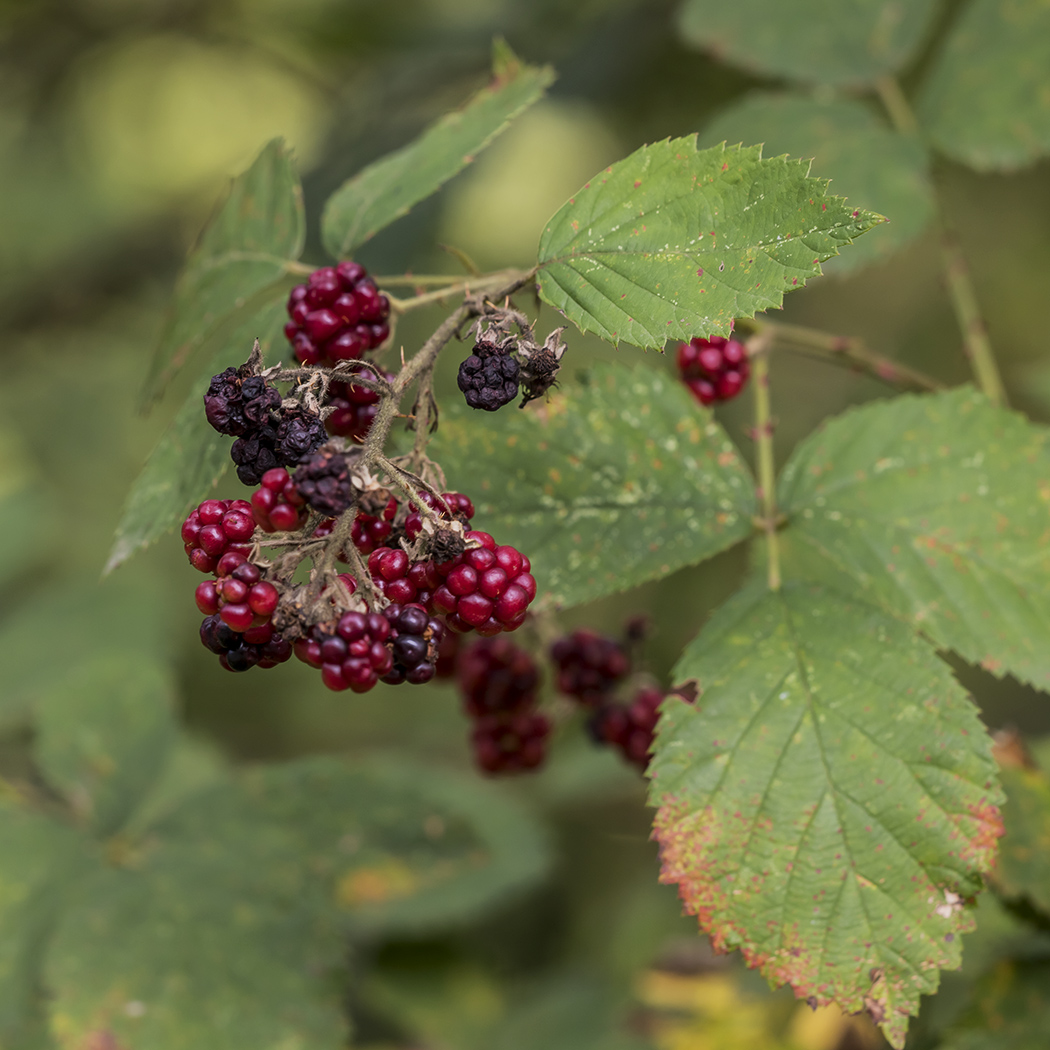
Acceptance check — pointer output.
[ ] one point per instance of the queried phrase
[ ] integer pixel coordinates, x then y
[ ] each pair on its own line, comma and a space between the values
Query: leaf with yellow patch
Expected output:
828, 803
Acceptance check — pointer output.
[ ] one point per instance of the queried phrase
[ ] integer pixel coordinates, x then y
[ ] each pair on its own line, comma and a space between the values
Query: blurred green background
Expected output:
121, 122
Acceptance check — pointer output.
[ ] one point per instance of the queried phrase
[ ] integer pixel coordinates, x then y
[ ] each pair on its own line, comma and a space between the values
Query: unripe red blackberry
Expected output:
415, 646
401, 580
630, 728
589, 665
486, 588
214, 528
351, 652
338, 315
355, 408
510, 743
240, 651
369, 531
277, 505
240, 597
714, 369
496, 677
448, 655
323, 481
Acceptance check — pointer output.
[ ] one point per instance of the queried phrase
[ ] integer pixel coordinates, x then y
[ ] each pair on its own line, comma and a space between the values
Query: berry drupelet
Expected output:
629, 727
277, 505
510, 744
714, 369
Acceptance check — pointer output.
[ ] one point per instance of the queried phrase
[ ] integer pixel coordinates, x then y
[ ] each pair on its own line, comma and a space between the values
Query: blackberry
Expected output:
496, 677
714, 369
351, 652
487, 588
338, 315
401, 580
215, 527
241, 597
277, 505
416, 644
255, 454
448, 655
241, 651
370, 531
298, 433
629, 728
354, 409
324, 483
589, 665
238, 402
489, 382
510, 744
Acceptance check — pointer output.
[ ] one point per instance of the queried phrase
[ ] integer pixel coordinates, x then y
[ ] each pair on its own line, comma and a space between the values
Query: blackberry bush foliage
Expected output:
825, 797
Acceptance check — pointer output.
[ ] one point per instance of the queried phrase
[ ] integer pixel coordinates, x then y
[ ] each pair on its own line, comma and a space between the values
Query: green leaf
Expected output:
26, 516
119, 615
228, 927
103, 732
1023, 869
37, 857
617, 481
826, 41
182, 955
1010, 1011
190, 457
985, 102
387, 189
826, 799
673, 242
242, 254
866, 162
937, 508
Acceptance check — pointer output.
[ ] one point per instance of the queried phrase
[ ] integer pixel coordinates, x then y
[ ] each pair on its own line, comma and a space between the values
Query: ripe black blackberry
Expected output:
490, 380
496, 677
324, 483
416, 644
238, 401
589, 665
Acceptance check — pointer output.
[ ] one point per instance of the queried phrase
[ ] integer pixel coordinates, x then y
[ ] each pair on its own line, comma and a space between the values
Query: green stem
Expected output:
758, 352
843, 350
963, 295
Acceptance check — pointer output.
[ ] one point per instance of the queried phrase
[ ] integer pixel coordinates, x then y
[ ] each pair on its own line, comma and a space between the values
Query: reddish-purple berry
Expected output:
714, 369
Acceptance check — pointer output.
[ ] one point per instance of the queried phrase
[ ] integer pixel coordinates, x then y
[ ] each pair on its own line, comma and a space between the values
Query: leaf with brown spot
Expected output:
828, 801
935, 507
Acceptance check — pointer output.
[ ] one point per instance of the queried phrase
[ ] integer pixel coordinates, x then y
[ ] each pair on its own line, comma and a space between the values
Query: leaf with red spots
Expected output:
828, 802
389, 188
826, 41
673, 242
937, 508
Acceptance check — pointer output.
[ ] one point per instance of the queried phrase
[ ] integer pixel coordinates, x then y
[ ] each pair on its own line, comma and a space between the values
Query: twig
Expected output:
758, 347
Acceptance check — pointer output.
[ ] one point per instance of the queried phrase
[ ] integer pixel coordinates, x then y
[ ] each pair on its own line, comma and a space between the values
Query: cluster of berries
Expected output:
238, 603
499, 683
714, 369
589, 667
269, 433
338, 315
359, 649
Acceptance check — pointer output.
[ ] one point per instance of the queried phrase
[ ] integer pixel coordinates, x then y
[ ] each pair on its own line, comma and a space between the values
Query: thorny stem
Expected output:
956, 271
842, 350
758, 347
